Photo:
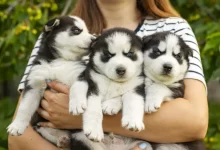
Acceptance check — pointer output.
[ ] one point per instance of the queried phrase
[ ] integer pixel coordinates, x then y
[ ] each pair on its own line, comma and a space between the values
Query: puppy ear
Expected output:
146, 39
187, 50
190, 51
51, 24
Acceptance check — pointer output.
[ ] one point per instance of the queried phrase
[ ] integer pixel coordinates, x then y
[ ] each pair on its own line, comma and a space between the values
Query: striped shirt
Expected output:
150, 26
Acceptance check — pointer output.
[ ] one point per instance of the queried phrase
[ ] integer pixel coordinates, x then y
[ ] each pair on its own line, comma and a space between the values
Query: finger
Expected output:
59, 87
46, 124
43, 113
141, 146
44, 104
49, 95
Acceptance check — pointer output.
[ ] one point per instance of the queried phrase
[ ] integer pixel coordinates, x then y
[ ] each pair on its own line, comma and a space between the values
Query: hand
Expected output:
55, 106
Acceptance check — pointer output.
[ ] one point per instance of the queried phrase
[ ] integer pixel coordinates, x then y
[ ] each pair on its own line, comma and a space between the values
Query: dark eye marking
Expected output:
75, 30
131, 54
108, 54
178, 57
156, 51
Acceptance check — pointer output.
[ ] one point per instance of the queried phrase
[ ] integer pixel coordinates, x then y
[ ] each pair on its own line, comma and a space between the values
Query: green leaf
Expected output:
215, 74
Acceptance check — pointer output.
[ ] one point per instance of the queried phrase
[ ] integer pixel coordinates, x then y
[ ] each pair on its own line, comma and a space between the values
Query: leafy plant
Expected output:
7, 108
204, 18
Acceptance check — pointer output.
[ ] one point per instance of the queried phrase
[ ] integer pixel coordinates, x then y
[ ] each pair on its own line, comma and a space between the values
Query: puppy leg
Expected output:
92, 118
112, 106
133, 111
78, 97
30, 100
79, 141
60, 138
153, 99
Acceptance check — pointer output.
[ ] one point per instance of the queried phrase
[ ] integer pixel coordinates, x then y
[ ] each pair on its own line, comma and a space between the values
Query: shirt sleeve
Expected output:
30, 63
195, 71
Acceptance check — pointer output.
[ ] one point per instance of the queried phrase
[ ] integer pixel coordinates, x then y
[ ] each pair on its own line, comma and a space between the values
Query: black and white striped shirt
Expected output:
150, 26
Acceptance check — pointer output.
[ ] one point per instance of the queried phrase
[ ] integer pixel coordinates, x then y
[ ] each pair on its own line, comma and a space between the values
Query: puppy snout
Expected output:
120, 71
93, 37
167, 68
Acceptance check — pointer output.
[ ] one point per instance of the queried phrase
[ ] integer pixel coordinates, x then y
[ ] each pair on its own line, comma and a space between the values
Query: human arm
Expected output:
181, 120
28, 140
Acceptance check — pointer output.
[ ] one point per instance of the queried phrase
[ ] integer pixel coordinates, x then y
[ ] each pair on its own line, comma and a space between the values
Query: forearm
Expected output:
175, 121
179, 120
30, 140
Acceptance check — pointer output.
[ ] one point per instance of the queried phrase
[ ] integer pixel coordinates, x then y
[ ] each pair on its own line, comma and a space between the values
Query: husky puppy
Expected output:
166, 61
114, 69
65, 40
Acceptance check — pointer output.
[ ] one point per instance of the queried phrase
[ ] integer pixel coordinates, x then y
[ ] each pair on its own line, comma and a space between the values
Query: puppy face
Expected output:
165, 57
69, 36
117, 54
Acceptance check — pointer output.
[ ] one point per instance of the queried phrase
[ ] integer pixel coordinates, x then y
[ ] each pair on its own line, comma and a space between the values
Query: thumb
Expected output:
57, 86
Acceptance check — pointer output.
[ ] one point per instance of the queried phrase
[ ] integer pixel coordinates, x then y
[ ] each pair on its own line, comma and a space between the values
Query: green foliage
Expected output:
7, 109
204, 18
213, 135
21, 22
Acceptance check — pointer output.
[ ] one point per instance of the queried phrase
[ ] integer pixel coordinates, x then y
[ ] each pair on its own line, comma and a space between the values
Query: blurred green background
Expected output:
21, 22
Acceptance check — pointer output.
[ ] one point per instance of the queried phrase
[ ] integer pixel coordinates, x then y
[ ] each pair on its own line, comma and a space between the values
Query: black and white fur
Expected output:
166, 61
101, 83
65, 41
112, 80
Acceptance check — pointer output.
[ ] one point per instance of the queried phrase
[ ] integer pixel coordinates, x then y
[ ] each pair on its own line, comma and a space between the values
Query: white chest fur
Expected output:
61, 70
110, 89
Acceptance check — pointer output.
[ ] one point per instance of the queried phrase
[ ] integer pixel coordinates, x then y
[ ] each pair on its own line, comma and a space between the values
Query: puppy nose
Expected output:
167, 68
120, 71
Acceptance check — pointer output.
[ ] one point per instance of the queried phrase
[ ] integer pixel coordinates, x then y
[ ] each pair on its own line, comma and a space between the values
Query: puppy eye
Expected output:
156, 51
178, 56
76, 30
107, 54
129, 54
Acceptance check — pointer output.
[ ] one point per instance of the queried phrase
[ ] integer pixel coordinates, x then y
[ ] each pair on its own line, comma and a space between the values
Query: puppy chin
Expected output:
164, 77
81, 50
120, 79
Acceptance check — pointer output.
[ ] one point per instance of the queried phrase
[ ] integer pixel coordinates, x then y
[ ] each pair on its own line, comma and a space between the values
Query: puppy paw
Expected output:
77, 107
94, 132
63, 141
152, 105
17, 128
111, 107
133, 124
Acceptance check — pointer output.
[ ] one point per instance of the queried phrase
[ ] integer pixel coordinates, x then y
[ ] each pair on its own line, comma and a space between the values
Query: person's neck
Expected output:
120, 13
